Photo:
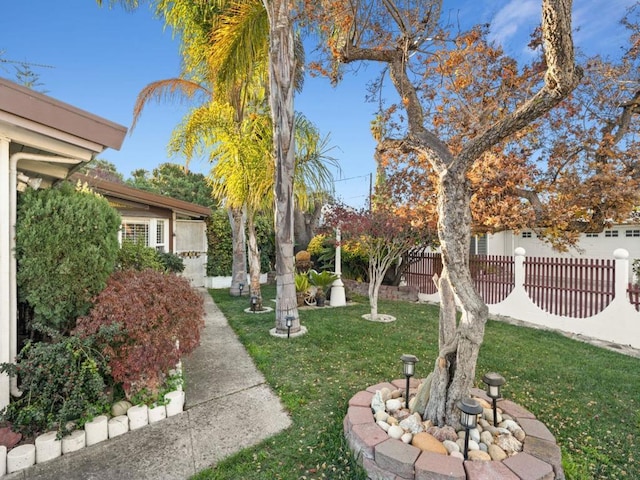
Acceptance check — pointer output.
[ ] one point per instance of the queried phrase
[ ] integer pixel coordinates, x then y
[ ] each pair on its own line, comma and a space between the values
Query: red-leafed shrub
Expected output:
137, 319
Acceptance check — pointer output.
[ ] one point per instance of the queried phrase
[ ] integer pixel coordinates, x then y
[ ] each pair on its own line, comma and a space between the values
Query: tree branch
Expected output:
562, 76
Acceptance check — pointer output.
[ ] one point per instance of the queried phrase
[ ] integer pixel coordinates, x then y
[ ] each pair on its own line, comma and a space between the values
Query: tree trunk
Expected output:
375, 280
455, 366
281, 91
239, 264
459, 347
254, 259
305, 224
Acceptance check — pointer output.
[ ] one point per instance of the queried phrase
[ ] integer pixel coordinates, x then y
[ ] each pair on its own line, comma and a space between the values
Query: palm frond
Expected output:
239, 47
168, 90
312, 175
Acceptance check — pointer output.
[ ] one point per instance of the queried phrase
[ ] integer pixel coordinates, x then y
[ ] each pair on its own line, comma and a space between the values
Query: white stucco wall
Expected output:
619, 322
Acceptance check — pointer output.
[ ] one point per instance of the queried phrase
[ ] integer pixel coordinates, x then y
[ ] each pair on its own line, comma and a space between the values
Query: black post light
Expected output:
494, 381
409, 366
254, 303
288, 322
470, 409
241, 287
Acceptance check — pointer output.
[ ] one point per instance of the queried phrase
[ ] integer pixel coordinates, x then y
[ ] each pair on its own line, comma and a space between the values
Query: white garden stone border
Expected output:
47, 446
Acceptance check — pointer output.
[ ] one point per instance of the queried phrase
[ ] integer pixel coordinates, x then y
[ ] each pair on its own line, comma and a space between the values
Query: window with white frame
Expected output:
611, 233
526, 235
135, 232
591, 235
160, 236
632, 233
151, 232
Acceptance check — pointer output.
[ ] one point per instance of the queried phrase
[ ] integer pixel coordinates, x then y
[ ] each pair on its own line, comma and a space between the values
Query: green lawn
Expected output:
588, 397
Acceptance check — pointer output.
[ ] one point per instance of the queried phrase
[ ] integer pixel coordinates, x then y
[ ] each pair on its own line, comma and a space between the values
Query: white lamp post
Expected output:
338, 297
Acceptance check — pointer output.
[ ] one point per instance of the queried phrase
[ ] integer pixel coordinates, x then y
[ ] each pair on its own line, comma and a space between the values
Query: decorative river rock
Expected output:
397, 444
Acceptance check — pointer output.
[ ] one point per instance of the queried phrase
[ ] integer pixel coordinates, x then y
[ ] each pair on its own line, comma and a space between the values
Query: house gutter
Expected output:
13, 214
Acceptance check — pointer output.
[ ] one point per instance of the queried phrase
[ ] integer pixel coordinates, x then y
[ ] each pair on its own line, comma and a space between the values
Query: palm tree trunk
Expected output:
239, 265
254, 258
281, 81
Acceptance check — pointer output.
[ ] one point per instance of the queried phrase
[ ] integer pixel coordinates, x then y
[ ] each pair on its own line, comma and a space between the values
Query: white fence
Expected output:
619, 322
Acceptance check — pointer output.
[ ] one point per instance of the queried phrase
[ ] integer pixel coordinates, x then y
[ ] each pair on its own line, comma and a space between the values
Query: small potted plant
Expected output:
322, 280
302, 286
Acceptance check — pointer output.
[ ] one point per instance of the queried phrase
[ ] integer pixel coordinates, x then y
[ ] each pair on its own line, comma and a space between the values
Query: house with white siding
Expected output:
42, 141
160, 222
590, 245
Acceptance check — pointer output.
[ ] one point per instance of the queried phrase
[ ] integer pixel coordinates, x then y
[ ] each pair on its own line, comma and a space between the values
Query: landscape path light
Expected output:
254, 303
470, 409
409, 366
241, 287
494, 381
288, 322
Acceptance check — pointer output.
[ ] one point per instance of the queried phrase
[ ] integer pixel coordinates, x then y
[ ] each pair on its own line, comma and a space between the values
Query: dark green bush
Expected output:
267, 242
146, 312
61, 381
137, 256
220, 251
171, 262
66, 248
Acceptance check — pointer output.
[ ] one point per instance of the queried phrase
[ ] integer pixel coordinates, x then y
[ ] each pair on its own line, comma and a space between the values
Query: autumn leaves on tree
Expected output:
461, 101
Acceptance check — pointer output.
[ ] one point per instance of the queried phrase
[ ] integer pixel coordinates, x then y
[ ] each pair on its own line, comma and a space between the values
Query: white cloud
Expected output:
518, 17
597, 25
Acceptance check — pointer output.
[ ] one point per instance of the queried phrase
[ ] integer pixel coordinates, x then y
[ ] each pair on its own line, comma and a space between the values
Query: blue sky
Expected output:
103, 57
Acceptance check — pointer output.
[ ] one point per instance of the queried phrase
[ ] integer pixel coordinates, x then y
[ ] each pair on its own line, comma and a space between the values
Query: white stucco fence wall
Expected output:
619, 322
225, 282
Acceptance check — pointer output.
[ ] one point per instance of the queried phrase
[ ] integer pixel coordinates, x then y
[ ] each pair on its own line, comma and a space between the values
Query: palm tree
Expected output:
243, 170
195, 21
271, 35
214, 36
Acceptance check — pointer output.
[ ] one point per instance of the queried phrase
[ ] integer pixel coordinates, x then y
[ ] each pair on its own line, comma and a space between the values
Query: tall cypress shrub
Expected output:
66, 248
220, 251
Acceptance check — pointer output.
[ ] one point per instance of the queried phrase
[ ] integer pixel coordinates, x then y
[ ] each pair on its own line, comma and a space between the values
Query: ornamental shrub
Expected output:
66, 247
355, 261
220, 248
323, 251
267, 242
137, 256
146, 312
317, 245
61, 381
171, 262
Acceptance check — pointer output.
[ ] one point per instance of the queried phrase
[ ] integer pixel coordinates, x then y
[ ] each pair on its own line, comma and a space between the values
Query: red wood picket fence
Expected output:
570, 287
493, 275
574, 287
634, 295
422, 266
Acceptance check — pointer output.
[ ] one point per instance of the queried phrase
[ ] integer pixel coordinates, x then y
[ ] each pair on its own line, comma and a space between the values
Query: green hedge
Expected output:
66, 248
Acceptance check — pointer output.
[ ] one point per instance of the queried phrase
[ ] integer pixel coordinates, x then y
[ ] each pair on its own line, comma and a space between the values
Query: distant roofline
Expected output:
124, 192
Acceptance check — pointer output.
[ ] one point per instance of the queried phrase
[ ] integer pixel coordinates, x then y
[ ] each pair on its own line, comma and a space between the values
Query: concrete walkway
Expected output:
228, 407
